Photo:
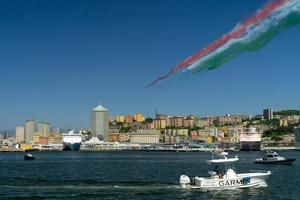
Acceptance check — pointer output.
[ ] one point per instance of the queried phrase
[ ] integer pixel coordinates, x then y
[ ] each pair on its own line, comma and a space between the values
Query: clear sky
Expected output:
60, 58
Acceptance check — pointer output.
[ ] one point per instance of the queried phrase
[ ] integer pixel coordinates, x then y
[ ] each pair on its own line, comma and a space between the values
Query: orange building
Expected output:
113, 137
129, 119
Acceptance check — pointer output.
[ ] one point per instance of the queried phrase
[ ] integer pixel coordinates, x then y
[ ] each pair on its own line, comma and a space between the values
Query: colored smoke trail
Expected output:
251, 35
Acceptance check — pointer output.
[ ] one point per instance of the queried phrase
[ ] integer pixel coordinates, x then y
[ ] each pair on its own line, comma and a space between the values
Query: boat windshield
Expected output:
221, 164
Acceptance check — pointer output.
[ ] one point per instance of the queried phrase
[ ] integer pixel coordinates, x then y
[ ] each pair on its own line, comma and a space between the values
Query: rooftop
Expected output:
100, 108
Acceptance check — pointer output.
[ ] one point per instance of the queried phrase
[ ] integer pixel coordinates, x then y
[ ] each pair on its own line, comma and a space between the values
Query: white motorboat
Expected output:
271, 157
225, 179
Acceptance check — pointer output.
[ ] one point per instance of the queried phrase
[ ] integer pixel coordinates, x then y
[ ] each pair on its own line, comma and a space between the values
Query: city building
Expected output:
124, 137
161, 116
233, 134
268, 113
111, 119
207, 135
54, 138
138, 117
129, 119
189, 122
120, 118
114, 137
176, 121
20, 134
283, 122
29, 131
174, 136
159, 124
44, 129
232, 119
202, 122
145, 137
100, 122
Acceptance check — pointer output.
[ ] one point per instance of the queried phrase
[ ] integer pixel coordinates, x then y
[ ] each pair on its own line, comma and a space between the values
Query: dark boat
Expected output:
29, 156
274, 158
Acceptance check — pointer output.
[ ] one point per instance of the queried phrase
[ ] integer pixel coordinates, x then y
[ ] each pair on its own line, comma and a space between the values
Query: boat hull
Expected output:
28, 158
246, 180
71, 146
287, 161
250, 146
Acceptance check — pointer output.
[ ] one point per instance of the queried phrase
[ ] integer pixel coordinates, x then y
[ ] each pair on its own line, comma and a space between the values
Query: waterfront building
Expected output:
20, 134
100, 122
26, 146
129, 119
268, 113
208, 132
207, 135
114, 137
44, 129
124, 137
173, 136
29, 131
145, 137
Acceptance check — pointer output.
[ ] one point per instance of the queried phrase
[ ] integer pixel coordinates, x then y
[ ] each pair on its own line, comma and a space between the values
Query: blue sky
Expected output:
60, 58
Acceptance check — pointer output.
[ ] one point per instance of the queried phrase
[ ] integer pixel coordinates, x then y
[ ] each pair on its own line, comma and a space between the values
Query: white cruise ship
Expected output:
250, 140
72, 141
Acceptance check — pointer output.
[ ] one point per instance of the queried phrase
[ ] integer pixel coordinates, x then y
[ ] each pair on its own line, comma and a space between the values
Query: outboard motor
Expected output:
184, 181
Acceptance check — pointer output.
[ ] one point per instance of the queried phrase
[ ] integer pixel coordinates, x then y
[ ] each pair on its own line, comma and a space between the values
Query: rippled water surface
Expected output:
131, 175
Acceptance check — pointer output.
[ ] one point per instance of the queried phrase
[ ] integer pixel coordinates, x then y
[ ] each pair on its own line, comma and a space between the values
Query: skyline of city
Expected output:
133, 117
161, 129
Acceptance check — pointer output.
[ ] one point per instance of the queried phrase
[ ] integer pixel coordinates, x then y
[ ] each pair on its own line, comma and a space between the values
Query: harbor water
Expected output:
132, 175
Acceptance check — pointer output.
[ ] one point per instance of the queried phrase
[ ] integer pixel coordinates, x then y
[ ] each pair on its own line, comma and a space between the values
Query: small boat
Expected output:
226, 179
271, 157
29, 156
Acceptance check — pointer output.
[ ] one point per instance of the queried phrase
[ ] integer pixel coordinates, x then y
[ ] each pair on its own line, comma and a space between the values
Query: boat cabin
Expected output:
270, 156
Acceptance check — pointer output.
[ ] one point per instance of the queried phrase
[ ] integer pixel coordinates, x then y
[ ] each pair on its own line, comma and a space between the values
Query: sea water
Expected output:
133, 175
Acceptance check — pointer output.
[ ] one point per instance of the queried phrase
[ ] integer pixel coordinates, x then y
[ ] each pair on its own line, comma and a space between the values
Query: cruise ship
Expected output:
250, 140
72, 141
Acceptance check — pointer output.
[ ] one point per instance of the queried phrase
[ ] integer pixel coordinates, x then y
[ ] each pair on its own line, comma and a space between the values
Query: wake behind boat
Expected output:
273, 158
225, 179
